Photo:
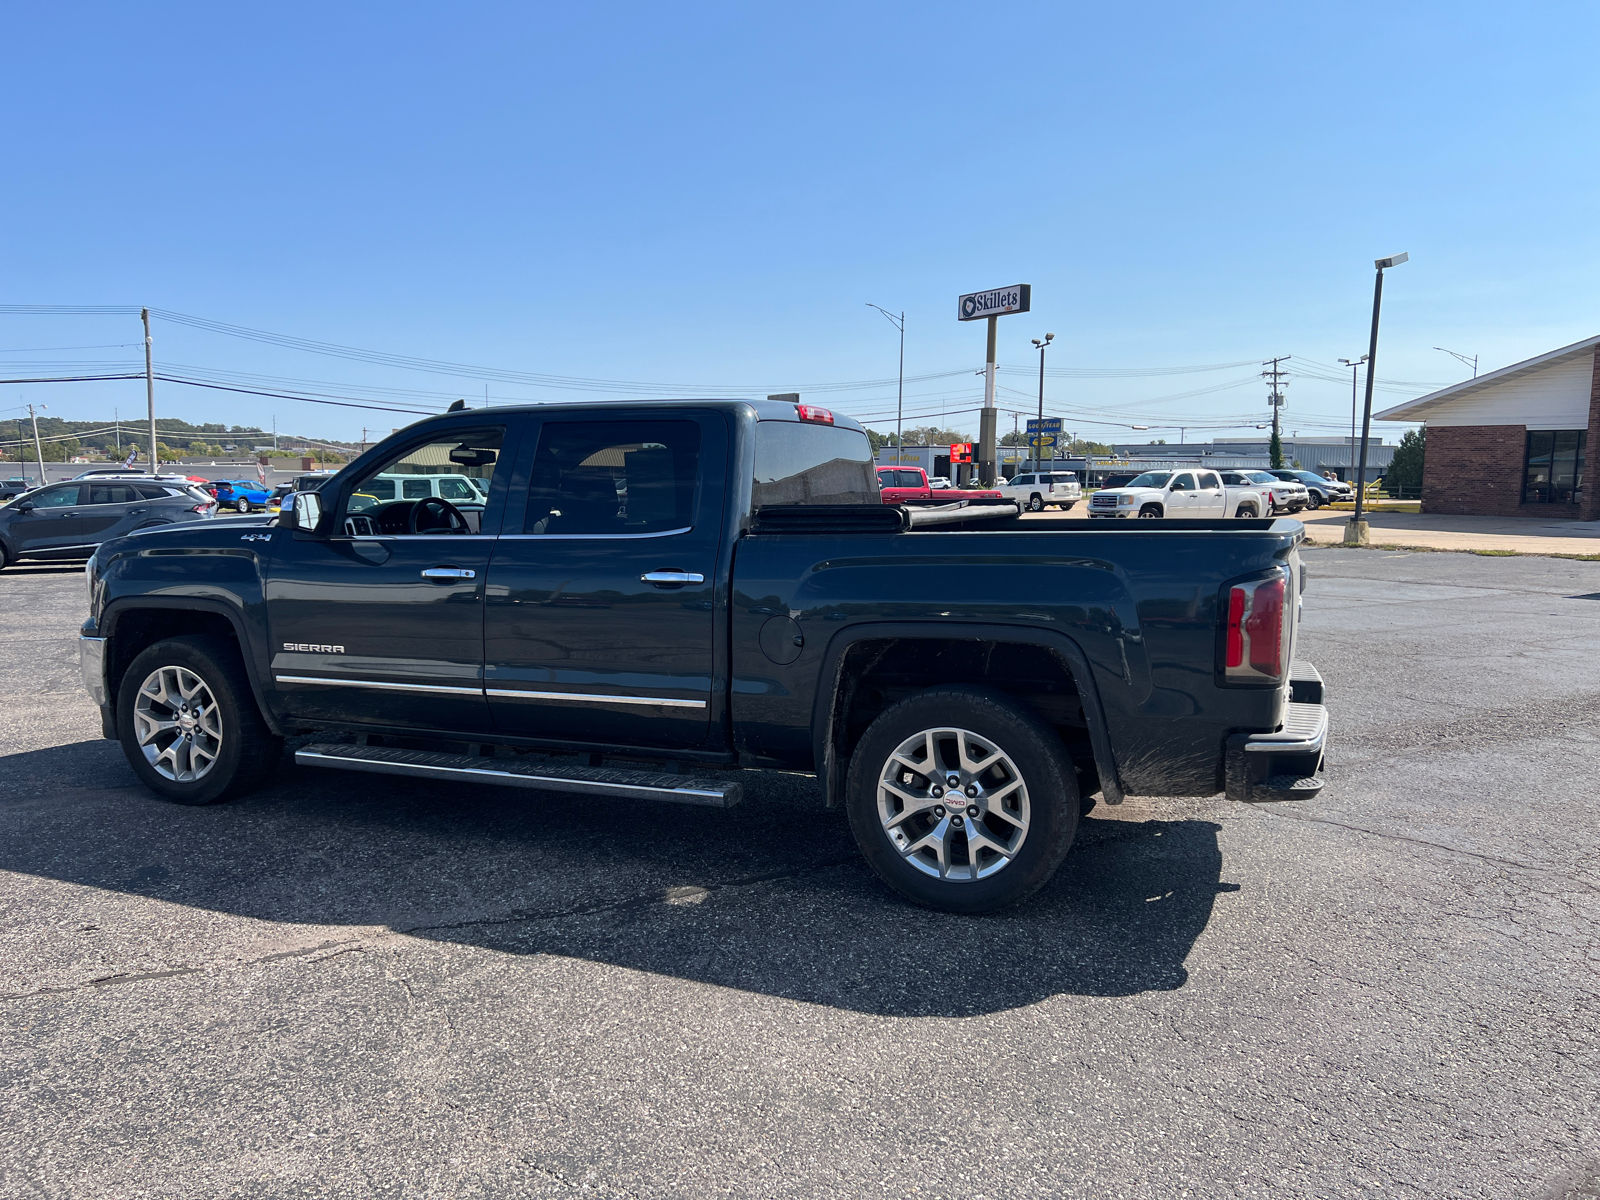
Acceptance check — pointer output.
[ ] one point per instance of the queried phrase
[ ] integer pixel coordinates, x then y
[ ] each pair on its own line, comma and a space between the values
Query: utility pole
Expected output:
116, 419
38, 450
1275, 376
900, 391
150, 391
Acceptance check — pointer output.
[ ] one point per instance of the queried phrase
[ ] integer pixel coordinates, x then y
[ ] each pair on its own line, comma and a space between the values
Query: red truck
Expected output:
909, 485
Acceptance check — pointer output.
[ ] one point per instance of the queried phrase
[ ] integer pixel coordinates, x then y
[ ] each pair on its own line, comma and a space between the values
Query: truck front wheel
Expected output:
189, 725
962, 799
1151, 512
1036, 503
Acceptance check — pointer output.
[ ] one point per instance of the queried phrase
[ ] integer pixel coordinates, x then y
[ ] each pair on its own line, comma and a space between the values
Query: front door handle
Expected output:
672, 577
449, 573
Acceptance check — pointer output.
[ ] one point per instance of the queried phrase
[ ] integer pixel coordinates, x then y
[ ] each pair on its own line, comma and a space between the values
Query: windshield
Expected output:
1262, 477
1154, 479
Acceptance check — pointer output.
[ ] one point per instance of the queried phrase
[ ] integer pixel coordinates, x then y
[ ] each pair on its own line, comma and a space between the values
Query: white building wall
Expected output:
1556, 397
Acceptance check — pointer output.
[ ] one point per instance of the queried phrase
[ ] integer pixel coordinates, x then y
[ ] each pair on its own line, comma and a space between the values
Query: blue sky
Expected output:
707, 196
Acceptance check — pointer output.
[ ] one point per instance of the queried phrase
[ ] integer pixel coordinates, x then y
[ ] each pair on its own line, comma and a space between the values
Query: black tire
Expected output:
241, 505
1151, 512
1049, 782
1245, 512
1317, 501
1035, 504
247, 750
5, 559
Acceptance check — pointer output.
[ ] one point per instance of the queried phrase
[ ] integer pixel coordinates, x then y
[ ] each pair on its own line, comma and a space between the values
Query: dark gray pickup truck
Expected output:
645, 600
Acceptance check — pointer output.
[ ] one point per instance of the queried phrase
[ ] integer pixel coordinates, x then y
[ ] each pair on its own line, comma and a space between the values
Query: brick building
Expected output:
1512, 442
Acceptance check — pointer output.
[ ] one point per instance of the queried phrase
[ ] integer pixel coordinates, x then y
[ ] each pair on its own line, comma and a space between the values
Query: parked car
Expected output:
1186, 493
10, 489
242, 495
910, 485
961, 693
1121, 479
1319, 489
939, 483
1288, 495
1036, 491
68, 520
311, 482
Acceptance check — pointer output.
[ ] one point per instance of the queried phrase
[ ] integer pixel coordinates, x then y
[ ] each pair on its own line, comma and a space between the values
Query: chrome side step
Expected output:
505, 772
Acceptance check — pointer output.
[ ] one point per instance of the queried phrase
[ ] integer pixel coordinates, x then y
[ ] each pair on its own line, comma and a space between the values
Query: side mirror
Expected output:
307, 511
25, 506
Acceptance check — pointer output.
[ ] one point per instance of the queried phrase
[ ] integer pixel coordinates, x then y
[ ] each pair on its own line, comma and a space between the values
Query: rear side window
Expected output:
910, 479
1208, 480
1023, 481
813, 464
112, 493
614, 477
415, 489
152, 491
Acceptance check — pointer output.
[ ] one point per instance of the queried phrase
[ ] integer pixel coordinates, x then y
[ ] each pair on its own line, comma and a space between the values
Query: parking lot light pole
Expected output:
37, 448
150, 391
1038, 449
1356, 532
1354, 364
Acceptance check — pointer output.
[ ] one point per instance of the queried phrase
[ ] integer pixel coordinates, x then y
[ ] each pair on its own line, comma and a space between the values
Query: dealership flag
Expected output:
132, 454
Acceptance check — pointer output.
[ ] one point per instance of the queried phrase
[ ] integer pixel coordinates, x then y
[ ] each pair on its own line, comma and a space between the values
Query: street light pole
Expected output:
1354, 364
1356, 531
1038, 449
900, 391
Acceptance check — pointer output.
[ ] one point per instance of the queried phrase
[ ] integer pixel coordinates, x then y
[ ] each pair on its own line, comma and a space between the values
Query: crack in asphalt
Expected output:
1415, 841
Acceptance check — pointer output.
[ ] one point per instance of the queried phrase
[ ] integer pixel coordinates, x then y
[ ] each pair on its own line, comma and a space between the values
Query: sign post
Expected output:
1043, 435
990, 306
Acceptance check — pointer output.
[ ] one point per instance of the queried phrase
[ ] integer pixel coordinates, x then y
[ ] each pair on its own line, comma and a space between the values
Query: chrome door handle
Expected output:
672, 577
449, 573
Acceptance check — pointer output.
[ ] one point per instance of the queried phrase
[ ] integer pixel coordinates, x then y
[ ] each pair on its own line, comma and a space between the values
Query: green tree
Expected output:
1014, 438
932, 435
1276, 451
1406, 469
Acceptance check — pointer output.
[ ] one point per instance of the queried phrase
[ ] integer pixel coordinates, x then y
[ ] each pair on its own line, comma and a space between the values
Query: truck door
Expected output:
381, 623
1209, 499
599, 621
1181, 495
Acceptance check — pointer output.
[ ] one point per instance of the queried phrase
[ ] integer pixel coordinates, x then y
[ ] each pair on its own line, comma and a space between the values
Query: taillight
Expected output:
810, 412
1258, 631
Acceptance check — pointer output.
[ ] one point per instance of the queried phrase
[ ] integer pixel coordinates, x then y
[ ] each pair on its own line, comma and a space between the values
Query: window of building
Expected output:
1554, 466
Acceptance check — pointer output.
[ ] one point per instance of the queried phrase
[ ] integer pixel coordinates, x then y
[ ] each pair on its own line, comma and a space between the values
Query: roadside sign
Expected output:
961, 452
1048, 425
1042, 440
999, 302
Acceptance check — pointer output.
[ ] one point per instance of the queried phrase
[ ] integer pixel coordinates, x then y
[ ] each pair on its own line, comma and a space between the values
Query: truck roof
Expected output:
765, 410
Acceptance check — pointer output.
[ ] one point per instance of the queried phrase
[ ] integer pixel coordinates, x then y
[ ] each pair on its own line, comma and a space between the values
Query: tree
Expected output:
1015, 438
1084, 446
1406, 469
932, 435
1276, 450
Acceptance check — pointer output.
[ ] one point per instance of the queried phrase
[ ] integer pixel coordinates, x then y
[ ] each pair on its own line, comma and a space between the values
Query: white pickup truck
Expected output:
1034, 491
1182, 493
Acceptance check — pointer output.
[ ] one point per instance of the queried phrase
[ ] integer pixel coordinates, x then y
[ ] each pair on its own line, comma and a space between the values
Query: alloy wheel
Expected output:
953, 804
178, 724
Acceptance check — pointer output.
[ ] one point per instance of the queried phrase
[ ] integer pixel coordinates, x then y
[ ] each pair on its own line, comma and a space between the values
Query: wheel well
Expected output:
876, 674
140, 628
1150, 505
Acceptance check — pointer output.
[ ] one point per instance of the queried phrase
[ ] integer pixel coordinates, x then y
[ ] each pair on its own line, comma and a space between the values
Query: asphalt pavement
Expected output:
359, 986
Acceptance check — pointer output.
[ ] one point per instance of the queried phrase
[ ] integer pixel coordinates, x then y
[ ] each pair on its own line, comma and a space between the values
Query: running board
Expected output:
504, 772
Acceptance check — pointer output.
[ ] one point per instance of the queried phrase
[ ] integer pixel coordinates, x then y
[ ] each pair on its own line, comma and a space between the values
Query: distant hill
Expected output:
64, 440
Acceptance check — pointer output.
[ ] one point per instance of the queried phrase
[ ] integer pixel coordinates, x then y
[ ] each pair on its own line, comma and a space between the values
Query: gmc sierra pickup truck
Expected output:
646, 600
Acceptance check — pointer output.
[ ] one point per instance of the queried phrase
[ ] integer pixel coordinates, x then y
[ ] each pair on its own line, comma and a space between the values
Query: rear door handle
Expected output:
449, 573
672, 577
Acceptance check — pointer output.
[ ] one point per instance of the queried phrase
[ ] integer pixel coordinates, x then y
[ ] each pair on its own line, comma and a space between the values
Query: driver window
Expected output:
436, 488
1183, 483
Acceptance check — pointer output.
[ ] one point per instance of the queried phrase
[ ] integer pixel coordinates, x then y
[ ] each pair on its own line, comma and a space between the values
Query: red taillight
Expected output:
810, 412
1236, 602
1257, 632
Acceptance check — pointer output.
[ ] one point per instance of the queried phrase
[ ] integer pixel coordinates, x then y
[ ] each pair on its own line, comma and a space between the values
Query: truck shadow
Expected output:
769, 897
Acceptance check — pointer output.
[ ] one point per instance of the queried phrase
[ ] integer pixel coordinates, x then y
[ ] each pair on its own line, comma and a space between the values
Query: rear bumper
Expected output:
1286, 763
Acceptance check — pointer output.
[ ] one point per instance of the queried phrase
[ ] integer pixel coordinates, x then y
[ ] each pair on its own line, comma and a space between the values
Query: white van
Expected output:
1036, 490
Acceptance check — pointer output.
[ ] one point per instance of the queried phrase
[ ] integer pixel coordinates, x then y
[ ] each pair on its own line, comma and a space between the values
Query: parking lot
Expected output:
348, 985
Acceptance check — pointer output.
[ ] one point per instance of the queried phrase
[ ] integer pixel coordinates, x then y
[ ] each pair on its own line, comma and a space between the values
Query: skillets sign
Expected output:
1000, 302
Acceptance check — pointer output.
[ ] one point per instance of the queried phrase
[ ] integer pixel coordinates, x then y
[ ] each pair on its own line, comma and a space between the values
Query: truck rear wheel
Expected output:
188, 722
962, 799
1245, 512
